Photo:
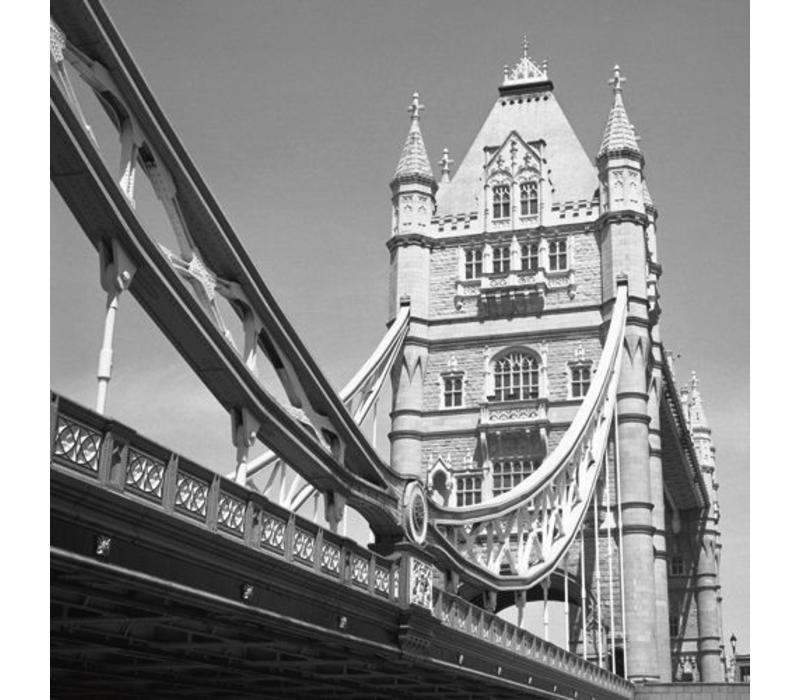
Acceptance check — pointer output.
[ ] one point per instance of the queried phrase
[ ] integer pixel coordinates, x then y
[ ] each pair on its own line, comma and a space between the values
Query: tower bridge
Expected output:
540, 448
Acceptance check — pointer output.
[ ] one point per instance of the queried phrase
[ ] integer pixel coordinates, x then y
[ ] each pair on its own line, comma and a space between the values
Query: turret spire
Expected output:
619, 134
414, 157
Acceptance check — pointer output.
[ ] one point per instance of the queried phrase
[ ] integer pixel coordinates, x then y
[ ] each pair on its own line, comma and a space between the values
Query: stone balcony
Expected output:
530, 417
515, 292
532, 413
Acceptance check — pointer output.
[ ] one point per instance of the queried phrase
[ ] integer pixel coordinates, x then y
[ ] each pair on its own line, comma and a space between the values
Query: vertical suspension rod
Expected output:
106, 352
583, 594
566, 601
619, 548
545, 610
610, 568
598, 588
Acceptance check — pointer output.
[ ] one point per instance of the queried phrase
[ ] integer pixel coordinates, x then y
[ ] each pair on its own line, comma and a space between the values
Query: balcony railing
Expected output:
529, 412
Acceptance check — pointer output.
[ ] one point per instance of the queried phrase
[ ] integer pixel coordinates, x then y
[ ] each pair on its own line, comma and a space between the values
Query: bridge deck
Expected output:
163, 587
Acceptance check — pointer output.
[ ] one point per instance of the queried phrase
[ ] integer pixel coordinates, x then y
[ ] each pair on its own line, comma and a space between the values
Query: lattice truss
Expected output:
360, 396
212, 289
518, 538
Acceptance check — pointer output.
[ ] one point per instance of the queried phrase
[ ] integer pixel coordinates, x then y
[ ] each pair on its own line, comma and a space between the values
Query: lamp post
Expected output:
733, 658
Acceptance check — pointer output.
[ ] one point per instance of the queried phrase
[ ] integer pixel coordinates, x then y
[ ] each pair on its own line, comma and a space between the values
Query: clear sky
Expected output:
294, 112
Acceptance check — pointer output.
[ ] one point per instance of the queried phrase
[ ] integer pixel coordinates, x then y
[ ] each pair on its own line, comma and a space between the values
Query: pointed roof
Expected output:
414, 158
534, 116
619, 134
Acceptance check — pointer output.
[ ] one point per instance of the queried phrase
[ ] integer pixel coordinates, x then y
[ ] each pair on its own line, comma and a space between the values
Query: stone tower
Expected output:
510, 268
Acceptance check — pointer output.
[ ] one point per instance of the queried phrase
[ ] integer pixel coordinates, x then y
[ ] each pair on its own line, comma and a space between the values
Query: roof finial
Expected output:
526, 70
415, 107
616, 81
444, 162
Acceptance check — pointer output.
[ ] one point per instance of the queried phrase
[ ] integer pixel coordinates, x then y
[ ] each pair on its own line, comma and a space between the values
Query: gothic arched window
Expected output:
501, 200
516, 377
528, 198
529, 257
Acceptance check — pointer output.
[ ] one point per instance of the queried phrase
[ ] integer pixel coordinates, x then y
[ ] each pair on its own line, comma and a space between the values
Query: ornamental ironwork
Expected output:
191, 495
273, 533
421, 584
144, 474
331, 559
360, 570
382, 579
303, 547
77, 444
230, 512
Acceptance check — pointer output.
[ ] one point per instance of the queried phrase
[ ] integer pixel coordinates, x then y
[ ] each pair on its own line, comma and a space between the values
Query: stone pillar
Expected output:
636, 499
708, 637
406, 435
660, 570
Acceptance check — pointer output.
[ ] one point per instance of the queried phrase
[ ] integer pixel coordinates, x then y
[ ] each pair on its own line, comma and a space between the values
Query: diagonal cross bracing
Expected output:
347, 464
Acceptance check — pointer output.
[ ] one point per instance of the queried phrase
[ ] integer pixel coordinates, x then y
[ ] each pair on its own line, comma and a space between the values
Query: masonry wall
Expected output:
446, 271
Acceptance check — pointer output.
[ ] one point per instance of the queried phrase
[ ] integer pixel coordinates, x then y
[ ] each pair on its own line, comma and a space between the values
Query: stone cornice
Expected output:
493, 236
623, 216
576, 333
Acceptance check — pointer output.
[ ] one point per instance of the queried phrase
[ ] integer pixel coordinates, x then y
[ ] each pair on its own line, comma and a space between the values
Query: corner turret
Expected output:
620, 166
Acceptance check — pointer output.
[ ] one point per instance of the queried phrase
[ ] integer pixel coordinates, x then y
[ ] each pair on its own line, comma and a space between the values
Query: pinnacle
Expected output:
414, 157
696, 410
526, 70
619, 134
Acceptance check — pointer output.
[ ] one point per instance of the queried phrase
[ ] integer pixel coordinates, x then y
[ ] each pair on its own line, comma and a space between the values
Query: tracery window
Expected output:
677, 566
528, 199
468, 490
558, 255
581, 378
473, 263
453, 390
502, 258
529, 257
501, 200
507, 474
516, 377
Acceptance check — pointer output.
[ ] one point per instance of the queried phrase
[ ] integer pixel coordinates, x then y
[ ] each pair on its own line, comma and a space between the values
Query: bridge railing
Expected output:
458, 614
119, 459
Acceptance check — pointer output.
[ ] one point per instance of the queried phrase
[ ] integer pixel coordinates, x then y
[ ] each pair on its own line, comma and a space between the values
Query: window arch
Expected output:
501, 201
516, 377
528, 198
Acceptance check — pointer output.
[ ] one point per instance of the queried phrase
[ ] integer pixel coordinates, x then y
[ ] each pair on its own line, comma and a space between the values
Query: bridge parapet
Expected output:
119, 459
458, 614
139, 517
